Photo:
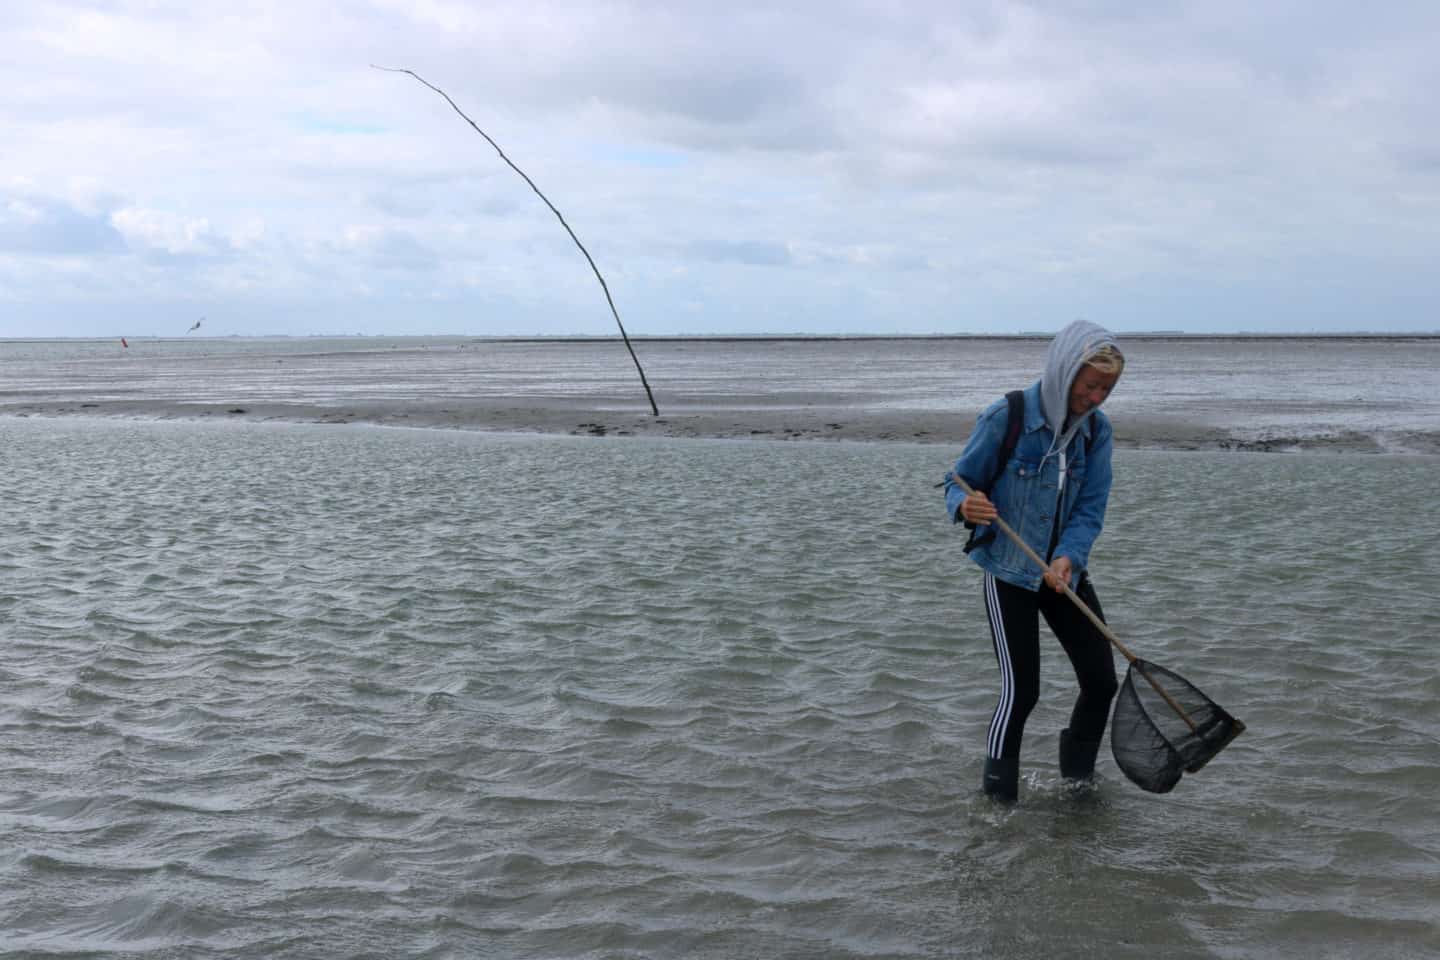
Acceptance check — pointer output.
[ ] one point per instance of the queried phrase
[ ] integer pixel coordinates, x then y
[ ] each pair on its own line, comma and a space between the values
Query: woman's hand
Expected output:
977, 508
1057, 578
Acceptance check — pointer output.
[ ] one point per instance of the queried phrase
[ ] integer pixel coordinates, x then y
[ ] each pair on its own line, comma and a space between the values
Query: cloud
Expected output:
388, 249
722, 162
1418, 158
165, 233
460, 195
46, 227
750, 252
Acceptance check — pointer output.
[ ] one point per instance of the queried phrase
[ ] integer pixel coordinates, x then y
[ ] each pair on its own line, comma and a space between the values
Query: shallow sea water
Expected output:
315, 691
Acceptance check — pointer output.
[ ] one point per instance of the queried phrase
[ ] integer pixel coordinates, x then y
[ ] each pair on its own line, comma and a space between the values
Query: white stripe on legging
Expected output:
1001, 720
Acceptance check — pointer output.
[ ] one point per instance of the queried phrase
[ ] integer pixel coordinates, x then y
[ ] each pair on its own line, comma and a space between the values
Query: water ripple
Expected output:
388, 693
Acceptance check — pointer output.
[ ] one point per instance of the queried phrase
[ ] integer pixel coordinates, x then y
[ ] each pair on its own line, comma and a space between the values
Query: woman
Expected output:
1052, 490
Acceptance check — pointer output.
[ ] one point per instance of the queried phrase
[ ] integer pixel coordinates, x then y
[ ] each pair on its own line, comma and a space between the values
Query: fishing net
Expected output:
1155, 743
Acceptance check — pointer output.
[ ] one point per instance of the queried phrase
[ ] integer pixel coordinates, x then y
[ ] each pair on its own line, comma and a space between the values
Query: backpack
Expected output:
1016, 422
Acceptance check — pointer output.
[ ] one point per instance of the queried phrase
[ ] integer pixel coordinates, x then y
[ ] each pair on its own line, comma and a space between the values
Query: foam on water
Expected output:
318, 691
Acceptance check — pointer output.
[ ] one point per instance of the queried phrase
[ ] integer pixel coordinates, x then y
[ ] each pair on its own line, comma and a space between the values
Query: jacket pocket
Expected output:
1020, 496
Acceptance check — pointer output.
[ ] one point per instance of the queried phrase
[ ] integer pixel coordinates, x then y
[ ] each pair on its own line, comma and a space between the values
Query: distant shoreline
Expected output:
965, 337
1154, 335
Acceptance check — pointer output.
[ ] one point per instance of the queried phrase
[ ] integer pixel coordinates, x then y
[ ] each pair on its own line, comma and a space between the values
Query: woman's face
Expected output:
1090, 389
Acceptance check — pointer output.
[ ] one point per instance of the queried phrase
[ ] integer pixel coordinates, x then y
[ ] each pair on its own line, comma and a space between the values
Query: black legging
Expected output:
1015, 628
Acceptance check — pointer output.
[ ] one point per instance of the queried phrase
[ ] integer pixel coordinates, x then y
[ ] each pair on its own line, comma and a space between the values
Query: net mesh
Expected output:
1153, 744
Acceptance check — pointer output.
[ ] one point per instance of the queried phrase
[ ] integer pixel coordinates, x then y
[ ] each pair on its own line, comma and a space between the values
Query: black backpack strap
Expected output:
1015, 401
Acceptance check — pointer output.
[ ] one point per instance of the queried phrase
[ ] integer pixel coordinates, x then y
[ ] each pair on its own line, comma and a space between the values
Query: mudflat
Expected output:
791, 421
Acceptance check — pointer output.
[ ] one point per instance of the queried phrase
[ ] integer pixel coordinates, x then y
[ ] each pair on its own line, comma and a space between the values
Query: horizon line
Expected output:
745, 337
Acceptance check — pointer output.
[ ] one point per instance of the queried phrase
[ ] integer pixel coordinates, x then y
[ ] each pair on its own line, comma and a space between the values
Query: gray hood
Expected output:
1067, 355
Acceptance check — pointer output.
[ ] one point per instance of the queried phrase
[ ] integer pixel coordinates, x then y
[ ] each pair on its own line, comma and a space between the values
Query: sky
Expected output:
845, 167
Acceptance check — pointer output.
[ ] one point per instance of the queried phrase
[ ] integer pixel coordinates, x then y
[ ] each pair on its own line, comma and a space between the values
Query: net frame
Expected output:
1163, 727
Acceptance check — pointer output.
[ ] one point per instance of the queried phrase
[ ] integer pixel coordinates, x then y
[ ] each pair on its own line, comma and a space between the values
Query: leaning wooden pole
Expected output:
589, 259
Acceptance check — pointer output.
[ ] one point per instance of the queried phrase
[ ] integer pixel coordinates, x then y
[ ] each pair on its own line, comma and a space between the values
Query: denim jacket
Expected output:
1025, 494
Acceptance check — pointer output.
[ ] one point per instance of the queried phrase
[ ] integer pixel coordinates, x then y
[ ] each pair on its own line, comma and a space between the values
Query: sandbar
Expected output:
818, 422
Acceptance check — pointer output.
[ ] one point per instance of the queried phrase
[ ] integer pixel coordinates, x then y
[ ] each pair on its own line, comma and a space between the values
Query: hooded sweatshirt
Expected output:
1067, 355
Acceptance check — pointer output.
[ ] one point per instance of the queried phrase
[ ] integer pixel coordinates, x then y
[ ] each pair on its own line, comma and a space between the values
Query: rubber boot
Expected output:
1002, 780
1077, 757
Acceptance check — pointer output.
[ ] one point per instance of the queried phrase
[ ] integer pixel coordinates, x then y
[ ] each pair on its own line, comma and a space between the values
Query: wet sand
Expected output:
814, 422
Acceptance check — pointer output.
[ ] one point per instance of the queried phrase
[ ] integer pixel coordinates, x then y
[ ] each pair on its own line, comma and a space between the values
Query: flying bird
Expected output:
196, 327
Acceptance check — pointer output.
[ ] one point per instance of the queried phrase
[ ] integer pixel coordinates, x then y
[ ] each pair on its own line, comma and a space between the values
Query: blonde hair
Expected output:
1107, 359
